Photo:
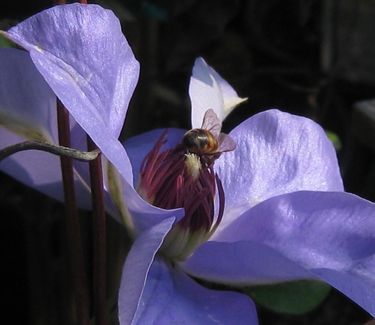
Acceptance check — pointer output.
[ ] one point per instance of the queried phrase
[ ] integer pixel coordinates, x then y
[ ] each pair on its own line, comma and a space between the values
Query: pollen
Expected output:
193, 165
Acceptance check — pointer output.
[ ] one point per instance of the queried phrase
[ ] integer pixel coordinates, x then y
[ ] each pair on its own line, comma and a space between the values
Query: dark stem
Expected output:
73, 228
99, 234
99, 237
51, 148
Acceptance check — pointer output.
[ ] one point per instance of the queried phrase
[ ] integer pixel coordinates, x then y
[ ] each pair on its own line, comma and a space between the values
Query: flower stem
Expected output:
99, 234
51, 148
73, 228
99, 237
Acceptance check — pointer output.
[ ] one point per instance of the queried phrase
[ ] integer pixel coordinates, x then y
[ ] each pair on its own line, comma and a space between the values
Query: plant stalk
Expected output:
75, 250
99, 237
51, 148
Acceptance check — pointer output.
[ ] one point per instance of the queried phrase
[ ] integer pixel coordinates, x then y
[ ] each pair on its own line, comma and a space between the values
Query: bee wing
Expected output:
226, 143
212, 123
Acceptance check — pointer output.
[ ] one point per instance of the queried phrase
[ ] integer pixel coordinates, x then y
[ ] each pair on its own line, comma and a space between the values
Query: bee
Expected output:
200, 142
208, 140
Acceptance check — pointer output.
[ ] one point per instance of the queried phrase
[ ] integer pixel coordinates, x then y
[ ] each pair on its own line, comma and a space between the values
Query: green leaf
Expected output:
295, 298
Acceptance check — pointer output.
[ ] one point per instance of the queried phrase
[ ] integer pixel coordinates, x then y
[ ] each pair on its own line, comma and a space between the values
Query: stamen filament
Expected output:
178, 178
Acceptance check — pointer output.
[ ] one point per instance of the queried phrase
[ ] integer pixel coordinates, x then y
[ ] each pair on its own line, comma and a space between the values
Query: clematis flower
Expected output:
286, 218
269, 209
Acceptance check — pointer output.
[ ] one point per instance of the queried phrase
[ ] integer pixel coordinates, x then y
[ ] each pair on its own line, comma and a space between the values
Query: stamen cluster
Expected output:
175, 178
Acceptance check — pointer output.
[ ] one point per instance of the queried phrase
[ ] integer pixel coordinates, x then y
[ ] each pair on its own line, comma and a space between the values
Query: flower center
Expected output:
180, 177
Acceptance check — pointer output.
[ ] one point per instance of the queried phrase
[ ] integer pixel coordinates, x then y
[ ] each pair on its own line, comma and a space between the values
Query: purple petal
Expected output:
28, 112
27, 103
81, 52
171, 297
242, 263
139, 146
136, 268
276, 153
209, 90
326, 235
84, 57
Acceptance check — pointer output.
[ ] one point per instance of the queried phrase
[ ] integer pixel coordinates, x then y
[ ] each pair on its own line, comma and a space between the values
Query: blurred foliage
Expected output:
295, 298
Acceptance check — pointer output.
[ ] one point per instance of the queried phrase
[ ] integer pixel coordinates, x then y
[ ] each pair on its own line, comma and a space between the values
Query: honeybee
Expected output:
208, 140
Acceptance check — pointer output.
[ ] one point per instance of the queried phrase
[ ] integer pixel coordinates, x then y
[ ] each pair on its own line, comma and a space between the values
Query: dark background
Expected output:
309, 57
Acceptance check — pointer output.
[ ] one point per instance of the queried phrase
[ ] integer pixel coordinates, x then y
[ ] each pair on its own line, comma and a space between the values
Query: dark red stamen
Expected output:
167, 182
